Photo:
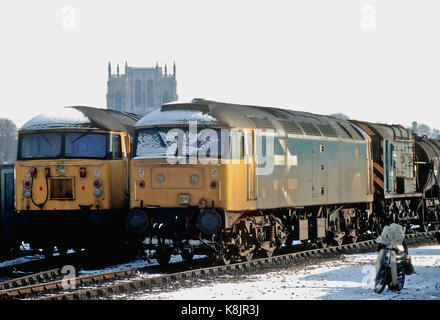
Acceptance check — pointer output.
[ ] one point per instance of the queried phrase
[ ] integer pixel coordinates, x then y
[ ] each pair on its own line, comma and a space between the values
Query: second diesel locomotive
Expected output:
318, 186
72, 178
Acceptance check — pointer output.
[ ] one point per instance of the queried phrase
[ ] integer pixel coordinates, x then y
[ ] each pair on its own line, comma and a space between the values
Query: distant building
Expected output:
140, 90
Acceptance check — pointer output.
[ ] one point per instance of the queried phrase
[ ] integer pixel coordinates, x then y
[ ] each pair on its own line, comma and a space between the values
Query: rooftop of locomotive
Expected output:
81, 117
213, 113
388, 131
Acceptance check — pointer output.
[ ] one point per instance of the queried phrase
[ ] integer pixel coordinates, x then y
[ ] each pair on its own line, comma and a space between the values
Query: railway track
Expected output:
90, 260
101, 285
38, 264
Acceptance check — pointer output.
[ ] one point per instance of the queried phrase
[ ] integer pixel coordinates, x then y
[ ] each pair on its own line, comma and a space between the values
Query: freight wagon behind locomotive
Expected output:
406, 176
72, 178
319, 187
427, 159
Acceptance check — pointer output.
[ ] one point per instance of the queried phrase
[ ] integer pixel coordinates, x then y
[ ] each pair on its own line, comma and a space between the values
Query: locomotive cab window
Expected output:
70, 144
87, 145
163, 142
40, 145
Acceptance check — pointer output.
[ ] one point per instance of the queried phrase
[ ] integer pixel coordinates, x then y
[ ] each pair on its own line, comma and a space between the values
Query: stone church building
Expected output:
140, 90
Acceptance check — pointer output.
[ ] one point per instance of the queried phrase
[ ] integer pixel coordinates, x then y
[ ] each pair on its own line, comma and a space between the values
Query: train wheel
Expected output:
227, 258
163, 256
247, 257
350, 239
289, 240
62, 250
48, 252
338, 241
269, 253
322, 243
187, 255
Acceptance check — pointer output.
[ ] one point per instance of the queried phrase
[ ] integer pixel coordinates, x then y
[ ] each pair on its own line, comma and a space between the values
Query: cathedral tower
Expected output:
140, 90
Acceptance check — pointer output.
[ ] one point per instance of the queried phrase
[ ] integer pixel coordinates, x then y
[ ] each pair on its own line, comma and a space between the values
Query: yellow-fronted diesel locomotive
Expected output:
234, 180
72, 179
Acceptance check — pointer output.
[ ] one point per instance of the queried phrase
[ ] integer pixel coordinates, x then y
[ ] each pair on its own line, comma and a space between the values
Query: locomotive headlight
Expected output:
183, 198
160, 178
28, 184
27, 193
194, 178
61, 170
142, 184
97, 193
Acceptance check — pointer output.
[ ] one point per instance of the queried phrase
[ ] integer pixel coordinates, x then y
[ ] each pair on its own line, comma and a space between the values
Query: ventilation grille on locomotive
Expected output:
327, 130
291, 127
310, 129
261, 122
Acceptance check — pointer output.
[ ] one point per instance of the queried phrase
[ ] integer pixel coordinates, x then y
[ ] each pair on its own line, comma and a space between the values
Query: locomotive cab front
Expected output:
72, 180
181, 161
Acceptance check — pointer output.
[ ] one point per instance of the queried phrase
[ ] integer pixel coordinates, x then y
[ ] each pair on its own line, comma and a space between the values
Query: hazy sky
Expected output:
372, 60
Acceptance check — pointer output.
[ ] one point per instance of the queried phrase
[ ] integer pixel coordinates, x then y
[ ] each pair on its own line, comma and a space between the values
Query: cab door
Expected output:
389, 166
250, 165
125, 155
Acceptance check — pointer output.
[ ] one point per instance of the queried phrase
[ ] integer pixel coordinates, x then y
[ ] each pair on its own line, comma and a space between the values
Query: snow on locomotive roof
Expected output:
79, 117
207, 112
176, 117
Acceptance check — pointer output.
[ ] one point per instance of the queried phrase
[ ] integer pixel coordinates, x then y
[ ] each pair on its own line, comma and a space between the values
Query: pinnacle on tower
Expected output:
117, 70
126, 67
174, 70
166, 73
109, 70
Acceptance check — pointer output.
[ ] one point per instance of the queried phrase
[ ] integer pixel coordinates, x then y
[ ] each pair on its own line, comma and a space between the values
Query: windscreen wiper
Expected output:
81, 136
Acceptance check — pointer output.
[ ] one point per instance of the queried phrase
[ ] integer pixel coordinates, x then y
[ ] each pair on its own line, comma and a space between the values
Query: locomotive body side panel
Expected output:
316, 172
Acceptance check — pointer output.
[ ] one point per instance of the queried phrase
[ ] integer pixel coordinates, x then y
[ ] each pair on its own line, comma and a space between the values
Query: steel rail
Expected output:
32, 279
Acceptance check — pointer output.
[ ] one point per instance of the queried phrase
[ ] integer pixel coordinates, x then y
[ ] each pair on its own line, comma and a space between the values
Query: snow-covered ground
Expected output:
348, 277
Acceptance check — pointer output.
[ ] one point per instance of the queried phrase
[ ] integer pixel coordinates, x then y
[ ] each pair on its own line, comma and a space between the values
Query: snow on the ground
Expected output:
346, 278
137, 263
